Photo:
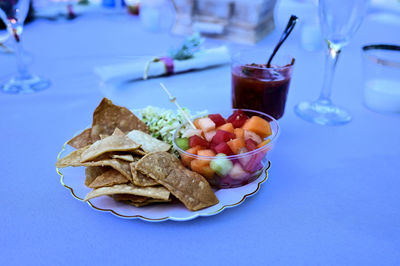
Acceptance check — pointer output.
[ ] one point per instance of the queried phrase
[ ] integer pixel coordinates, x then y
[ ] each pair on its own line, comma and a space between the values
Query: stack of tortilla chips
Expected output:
123, 161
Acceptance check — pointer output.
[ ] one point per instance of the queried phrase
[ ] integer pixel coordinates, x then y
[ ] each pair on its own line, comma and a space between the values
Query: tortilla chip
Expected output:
125, 157
139, 152
81, 140
137, 201
109, 178
92, 172
129, 197
160, 164
118, 132
115, 142
140, 179
119, 165
189, 187
151, 192
149, 144
108, 116
146, 202
72, 159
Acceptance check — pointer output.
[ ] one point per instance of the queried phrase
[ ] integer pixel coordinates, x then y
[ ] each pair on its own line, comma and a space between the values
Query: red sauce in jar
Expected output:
257, 87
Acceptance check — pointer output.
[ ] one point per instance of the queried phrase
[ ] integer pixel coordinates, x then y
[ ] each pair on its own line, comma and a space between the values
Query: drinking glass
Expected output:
13, 13
339, 19
381, 71
4, 35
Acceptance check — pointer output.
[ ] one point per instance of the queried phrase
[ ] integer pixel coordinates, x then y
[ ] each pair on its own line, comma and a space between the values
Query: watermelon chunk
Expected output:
250, 144
222, 136
217, 119
251, 135
251, 163
196, 140
223, 148
212, 146
238, 118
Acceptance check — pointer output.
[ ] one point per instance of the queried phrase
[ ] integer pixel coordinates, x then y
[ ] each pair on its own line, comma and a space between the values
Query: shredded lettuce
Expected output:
163, 122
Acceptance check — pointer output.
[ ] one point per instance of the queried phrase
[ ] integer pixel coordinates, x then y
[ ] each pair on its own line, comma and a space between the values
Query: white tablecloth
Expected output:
333, 192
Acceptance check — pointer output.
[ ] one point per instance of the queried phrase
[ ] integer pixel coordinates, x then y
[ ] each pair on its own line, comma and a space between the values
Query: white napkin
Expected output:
136, 69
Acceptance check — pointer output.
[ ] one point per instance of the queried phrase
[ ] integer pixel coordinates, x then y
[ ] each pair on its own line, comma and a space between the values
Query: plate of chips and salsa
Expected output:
118, 167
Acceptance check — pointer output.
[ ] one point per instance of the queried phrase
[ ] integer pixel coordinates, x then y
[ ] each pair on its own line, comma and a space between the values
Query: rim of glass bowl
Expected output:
368, 49
235, 59
236, 156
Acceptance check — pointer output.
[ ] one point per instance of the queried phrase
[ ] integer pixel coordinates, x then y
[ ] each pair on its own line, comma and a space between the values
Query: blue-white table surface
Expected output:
332, 196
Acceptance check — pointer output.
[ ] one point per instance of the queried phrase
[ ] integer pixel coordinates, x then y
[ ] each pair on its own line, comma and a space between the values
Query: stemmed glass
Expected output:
339, 20
13, 13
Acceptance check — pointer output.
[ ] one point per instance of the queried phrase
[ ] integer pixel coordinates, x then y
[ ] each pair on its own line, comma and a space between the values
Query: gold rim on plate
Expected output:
163, 218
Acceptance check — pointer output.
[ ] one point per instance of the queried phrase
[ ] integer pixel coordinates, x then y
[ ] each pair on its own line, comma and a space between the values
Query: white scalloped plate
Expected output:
73, 179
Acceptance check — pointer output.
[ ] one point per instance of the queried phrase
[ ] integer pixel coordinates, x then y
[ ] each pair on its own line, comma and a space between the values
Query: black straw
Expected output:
292, 22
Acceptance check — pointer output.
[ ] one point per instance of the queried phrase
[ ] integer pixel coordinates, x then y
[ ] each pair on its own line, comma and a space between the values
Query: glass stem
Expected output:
23, 72
330, 66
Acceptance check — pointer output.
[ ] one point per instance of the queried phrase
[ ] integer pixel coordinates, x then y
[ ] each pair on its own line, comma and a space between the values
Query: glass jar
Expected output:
258, 87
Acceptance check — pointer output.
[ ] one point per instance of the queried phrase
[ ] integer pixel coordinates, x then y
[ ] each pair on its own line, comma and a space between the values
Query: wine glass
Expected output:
13, 13
4, 35
339, 19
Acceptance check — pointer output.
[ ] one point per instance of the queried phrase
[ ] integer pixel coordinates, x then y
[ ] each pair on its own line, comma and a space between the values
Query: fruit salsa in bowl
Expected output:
230, 149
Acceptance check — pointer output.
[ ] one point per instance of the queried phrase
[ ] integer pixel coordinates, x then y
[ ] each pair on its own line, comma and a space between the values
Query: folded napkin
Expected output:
54, 10
143, 69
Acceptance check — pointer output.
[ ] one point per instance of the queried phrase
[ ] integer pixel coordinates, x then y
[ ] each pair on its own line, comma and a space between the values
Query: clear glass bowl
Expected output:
245, 167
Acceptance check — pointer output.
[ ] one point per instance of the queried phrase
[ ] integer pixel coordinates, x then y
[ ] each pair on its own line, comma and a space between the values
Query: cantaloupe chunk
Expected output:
259, 126
206, 152
196, 123
239, 132
236, 145
227, 127
199, 167
186, 159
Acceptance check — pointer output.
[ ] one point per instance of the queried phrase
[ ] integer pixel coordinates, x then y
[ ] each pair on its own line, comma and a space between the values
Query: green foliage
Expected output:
191, 45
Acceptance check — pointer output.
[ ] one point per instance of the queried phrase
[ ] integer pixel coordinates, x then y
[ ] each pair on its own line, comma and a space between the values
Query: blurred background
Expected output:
234, 20
106, 32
